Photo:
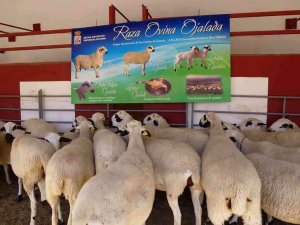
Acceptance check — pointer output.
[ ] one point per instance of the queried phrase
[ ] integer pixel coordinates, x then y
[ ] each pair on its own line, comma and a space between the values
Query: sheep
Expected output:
197, 138
280, 192
283, 124
189, 56
156, 120
265, 148
120, 119
94, 60
72, 134
29, 158
69, 169
252, 124
84, 87
5, 149
123, 193
137, 58
38, 128
202, 55
176, 165
230, 181
287, 138
107, 145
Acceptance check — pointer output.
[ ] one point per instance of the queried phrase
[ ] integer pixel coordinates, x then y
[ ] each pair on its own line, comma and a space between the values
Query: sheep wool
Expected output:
280, 187
230, 181
124, 192
69, 169
38, 128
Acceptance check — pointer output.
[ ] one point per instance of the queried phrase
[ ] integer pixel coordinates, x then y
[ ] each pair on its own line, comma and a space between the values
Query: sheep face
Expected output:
120, 118
11, 126
150, 49
282, 125
207, 48
235, 136
102, 50
152, 119
87, 86
252, 124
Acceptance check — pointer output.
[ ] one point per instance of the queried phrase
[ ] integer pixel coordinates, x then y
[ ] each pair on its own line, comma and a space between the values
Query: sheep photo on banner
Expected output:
157, 61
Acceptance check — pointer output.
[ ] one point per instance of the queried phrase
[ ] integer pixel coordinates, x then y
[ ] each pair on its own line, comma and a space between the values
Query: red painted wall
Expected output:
282, 70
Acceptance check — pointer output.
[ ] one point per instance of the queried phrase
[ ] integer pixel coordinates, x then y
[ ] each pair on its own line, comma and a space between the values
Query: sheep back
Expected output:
136, 57
280, 187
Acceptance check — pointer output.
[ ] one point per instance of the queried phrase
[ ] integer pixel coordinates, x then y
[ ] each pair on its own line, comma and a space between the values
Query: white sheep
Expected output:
287, 138
137, 58
107, 145
263, 147
72, 134
176, 165
94, 60
197, 138
189, 56
280, 191
203, 55
69, 169
120, 119
29, 159
38, 127
230, 181
156, 120
252, 124
283, 124
122, 194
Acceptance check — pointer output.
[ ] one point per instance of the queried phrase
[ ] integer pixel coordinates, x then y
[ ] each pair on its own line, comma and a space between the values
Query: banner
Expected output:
158, 61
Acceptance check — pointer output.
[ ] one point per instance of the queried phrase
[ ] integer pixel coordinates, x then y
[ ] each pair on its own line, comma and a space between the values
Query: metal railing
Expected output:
109, 109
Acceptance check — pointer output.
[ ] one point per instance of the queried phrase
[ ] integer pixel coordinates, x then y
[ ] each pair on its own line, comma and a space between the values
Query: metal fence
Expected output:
109, 109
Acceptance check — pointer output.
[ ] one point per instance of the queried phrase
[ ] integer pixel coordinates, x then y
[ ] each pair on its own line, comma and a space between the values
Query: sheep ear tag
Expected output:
233, 139
146, 133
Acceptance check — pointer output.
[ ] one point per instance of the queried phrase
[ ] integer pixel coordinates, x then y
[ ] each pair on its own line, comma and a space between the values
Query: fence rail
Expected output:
109, 110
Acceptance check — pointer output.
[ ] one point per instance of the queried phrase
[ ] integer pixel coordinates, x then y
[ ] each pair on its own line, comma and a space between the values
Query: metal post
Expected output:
107, 111
40, 98
284, 107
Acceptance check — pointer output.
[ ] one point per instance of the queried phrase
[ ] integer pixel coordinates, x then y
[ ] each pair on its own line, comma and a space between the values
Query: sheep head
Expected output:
207, 48
208, 119
150, 49
136, 127
252, 124
156, 120
102, 50
120, 118
78, 120
282, 125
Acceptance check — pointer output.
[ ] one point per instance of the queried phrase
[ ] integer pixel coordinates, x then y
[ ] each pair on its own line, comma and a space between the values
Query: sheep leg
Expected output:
76, 73
30, 191
54, 203
42, 188
143, 69
71, 202
60, 218
19, 197
252, 215
97, 72
126, 69
195, 193
217, 210
173, 203
6, 170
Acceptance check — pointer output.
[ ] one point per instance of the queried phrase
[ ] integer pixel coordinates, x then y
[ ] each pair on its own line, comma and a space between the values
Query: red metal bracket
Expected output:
112, 14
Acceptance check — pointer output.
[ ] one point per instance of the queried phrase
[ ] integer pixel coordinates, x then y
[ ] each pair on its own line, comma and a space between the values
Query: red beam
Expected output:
8, 25
35, 33
34, 47
112, 14
144, 13
264, 14
264, 32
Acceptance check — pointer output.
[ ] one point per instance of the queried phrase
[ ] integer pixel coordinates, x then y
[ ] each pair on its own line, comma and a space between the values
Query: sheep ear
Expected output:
20, 127
27, 132
155, 123
261, 124
64, 139
146, 133
149, 118
291, 126
124, 133
249, 123
73, 130
9, 138
2, 129
233, 139
285, 125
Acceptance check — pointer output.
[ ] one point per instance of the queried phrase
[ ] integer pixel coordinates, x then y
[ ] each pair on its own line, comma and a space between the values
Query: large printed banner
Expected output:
158, 61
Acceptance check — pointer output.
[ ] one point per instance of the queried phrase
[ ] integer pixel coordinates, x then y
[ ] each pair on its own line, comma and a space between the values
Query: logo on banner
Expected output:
77, 37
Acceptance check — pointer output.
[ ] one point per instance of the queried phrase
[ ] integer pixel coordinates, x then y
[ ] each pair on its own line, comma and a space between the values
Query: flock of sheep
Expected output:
109, 175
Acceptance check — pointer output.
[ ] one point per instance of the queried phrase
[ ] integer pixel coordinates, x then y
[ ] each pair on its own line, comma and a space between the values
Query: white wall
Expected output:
57, 14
